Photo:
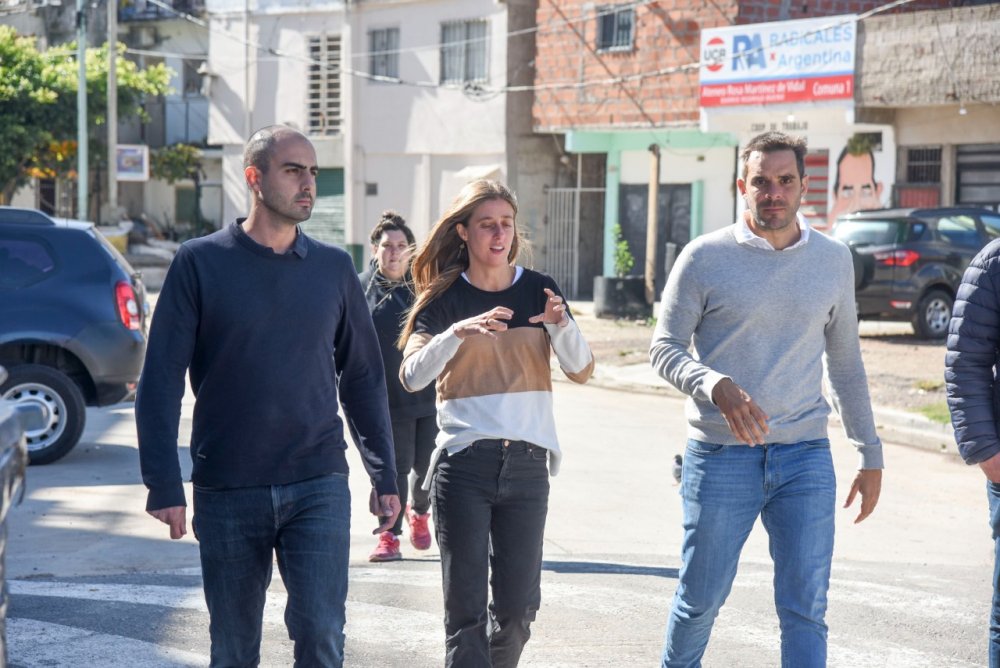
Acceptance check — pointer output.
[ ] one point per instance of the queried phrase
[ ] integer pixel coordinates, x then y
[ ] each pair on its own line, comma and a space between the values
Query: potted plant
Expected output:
621, 295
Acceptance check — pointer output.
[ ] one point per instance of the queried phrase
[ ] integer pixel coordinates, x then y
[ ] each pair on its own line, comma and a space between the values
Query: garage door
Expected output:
978, 175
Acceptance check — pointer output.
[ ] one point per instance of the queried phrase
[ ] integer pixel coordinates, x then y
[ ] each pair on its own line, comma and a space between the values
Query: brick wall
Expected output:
573, 77
666, 34
762, 11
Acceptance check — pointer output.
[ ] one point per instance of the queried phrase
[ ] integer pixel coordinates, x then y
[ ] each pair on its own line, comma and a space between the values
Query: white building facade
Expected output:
395, 94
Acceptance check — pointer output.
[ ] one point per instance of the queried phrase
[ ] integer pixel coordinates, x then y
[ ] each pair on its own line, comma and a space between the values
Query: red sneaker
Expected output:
420, 535
387, 548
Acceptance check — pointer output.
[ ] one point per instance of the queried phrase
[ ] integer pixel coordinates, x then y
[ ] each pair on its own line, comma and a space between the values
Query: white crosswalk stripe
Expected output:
395, 618
33, 643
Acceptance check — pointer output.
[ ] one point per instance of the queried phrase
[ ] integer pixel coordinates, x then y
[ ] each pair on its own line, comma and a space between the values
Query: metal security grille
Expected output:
978, 174
383, 52
923, 165
324, 85
463, 51
614, 29
815, 199
562, 232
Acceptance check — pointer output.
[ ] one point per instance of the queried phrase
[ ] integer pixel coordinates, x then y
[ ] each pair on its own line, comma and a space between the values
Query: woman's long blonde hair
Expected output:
443, 257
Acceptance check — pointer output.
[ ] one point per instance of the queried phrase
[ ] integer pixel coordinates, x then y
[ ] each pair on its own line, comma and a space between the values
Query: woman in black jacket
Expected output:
389, 291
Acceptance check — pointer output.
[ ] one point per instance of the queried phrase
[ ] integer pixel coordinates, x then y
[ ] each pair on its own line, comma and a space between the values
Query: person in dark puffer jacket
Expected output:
974, 393
389, 292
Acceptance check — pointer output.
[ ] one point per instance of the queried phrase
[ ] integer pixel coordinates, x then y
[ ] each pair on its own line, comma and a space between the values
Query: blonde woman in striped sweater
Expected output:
483, 329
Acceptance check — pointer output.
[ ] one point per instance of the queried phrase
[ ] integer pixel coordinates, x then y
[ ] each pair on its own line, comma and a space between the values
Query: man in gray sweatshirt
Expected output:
764, 302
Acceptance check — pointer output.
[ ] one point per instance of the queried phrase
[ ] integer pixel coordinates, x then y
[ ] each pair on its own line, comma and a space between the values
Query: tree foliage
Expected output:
176, 162
38, 119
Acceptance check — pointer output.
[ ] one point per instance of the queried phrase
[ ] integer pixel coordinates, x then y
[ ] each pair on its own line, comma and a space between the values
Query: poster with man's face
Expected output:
855, 186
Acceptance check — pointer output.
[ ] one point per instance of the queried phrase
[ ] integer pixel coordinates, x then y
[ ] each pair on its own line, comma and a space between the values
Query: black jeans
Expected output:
490, 502
414, 444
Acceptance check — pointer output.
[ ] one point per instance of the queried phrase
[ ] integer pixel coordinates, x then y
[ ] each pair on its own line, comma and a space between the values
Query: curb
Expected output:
894, 426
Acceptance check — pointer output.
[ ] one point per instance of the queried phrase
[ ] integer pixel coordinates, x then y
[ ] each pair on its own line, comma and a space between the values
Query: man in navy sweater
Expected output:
273, 328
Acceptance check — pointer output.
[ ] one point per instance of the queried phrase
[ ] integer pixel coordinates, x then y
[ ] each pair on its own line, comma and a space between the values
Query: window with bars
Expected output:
923, 165
383, 52
615, 28
463, 51
324, 111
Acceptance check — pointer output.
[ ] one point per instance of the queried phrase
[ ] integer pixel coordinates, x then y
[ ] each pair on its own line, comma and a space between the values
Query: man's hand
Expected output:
991, 467
175, 517
386, 508
745, 418
869, 483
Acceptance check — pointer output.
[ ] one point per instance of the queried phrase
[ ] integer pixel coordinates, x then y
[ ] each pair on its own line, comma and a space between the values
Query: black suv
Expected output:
908, 263
72, 324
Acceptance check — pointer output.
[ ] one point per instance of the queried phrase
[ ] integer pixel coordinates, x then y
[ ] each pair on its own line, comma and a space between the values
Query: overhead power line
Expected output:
479, 89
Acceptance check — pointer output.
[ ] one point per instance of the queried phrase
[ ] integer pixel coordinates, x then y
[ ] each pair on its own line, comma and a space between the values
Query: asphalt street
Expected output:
94, 581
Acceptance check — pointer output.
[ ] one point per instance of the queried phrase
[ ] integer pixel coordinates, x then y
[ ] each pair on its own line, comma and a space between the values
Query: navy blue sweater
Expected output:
269, 339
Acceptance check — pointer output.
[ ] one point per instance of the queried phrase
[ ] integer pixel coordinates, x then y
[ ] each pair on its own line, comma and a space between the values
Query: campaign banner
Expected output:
780, 62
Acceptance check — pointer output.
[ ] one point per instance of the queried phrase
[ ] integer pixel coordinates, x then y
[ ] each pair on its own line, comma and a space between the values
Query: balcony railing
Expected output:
142, 10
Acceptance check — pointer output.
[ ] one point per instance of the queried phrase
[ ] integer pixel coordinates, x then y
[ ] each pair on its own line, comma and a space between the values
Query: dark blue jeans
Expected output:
791, 486
993, 491
490, 502
413, 441
307, 524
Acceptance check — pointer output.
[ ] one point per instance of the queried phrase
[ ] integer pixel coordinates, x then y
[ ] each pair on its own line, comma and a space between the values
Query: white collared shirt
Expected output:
746, 237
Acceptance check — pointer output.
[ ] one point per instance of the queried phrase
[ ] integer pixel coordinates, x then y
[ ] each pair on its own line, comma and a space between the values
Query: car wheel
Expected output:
933, 315
61, 402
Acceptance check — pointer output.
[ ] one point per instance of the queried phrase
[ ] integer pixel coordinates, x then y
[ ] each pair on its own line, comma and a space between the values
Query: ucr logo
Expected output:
714, 55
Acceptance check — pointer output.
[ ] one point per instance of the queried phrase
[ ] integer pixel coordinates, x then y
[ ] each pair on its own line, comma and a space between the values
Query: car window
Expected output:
23, 261
960, 230
992, 226
867, 232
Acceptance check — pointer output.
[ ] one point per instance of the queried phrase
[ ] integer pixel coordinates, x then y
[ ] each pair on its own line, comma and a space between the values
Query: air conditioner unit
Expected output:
142, 37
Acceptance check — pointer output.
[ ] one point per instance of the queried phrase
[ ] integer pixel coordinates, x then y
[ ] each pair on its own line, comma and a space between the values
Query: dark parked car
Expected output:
13, 460
908, 263
72, 324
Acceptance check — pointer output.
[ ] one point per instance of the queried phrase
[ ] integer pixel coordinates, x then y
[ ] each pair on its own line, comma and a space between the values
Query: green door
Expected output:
327, 221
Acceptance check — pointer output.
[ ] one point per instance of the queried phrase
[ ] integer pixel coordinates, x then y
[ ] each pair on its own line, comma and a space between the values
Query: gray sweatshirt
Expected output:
768, 320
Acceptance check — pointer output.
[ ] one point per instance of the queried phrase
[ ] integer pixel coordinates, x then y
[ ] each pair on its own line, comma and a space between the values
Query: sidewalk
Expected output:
894, 426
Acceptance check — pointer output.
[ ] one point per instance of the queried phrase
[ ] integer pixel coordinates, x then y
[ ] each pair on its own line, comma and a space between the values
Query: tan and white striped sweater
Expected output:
494, 388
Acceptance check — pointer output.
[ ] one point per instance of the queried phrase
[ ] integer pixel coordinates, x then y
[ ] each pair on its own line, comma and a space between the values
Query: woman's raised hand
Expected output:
555, 311
494, 320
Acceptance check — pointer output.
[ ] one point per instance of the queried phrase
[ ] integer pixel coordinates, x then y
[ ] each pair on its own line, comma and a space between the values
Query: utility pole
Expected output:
112, 113
247, 108
651, 220
81, 110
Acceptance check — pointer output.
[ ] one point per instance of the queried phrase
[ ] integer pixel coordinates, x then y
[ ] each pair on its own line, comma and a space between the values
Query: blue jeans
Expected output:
993, 492
490, 502
307, 524
724, 488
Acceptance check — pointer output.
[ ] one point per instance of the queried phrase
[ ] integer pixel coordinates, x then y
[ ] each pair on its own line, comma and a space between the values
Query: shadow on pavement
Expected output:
599, 567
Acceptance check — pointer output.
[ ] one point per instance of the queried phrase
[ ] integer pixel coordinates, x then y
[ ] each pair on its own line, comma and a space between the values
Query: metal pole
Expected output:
247, 112
651, 215
575, 240
81, 110
112, 112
